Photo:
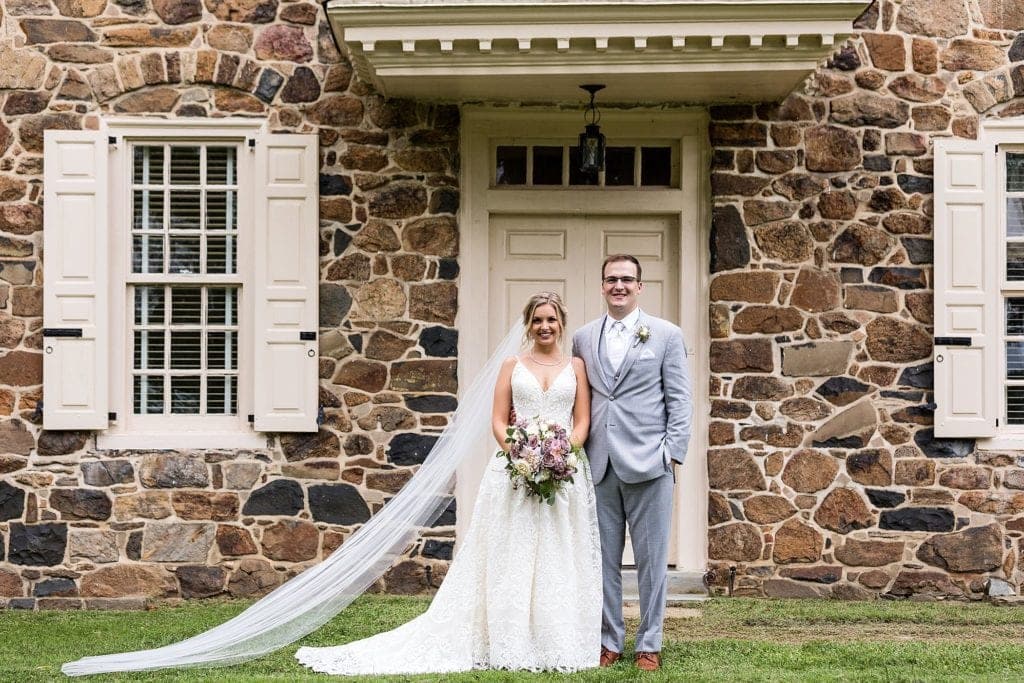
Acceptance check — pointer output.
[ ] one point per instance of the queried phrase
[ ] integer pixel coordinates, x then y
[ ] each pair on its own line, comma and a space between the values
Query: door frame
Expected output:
479, 124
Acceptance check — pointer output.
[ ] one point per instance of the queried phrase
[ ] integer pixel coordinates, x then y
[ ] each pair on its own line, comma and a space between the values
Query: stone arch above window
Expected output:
145, 83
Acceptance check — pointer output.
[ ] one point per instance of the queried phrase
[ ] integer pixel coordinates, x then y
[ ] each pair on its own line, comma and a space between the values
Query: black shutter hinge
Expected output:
112, 140
307, 336
252, 143
320, 415
952, 341
997, 422
251, 418
111, 417
62, 331
37, 414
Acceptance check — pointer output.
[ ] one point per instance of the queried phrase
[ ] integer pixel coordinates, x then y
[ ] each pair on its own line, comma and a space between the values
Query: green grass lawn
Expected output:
732, 640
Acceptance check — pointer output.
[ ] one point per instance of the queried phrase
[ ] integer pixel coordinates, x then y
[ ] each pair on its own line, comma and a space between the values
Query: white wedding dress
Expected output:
524, 590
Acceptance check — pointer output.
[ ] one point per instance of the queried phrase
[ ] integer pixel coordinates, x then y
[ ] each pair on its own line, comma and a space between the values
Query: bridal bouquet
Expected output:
539, 457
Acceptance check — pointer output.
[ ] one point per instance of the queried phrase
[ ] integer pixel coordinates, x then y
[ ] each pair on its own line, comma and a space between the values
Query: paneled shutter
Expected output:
286, 281
967, 268
75, 300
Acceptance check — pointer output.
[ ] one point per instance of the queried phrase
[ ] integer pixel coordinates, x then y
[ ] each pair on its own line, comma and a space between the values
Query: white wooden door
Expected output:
524, 231
533, 253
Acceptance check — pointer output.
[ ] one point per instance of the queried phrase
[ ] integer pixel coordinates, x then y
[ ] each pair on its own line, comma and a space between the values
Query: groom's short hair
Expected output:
614, 258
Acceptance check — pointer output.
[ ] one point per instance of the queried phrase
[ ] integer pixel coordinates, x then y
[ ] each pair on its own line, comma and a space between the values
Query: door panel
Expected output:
654, 241
531, 253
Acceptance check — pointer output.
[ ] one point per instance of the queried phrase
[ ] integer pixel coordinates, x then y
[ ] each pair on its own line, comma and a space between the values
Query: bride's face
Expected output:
545, 328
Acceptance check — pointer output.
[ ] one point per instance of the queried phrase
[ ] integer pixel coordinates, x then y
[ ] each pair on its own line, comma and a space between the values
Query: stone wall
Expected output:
826, 477
84, 528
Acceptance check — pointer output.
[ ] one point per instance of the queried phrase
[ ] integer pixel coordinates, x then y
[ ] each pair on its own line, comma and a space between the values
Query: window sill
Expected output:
173, 440
1001, 442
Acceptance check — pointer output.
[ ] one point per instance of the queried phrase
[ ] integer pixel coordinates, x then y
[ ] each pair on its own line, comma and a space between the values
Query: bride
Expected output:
524, 590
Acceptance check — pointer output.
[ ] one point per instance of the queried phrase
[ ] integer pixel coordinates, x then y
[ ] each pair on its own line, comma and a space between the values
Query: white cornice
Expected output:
661, 51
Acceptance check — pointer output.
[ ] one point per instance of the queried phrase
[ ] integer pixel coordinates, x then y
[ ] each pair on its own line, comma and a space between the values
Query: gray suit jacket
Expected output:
643, 413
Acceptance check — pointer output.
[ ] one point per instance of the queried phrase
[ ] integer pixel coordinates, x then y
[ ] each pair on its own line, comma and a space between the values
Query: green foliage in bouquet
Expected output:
540, 457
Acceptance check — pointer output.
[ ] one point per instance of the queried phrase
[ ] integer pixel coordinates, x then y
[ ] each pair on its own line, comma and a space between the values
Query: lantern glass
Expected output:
591, 149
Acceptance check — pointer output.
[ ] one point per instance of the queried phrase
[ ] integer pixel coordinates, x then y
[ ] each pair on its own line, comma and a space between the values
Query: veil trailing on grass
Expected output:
312, 598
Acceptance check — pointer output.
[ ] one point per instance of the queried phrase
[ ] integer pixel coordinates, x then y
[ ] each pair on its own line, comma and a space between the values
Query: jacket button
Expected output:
611, 398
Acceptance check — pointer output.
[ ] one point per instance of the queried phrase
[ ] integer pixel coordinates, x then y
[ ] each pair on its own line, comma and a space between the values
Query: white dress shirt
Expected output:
617, 334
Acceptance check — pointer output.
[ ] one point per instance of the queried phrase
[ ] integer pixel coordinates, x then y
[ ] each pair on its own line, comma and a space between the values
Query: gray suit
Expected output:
640, 421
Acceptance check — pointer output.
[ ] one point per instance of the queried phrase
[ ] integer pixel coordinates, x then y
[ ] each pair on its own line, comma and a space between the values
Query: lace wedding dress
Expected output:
524, 590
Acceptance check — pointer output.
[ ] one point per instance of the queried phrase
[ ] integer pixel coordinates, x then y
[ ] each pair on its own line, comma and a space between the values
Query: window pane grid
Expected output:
188, 225
185, 351
547, 165
1014, 404
1013, 294
1013, 343
1014, 172
1014, 214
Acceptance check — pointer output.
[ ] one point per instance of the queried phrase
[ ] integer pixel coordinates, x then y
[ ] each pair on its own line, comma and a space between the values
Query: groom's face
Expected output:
621, 288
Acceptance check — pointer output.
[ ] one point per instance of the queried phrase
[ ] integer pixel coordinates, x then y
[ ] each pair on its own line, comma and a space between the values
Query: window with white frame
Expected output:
1012, 163
181, 270
184, 283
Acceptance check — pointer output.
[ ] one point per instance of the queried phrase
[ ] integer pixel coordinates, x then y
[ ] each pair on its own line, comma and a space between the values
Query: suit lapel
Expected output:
632, 351
595, 345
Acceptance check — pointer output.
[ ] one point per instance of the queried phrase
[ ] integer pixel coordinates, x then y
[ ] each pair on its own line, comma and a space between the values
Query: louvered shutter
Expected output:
286, 281
75, 264
967, 268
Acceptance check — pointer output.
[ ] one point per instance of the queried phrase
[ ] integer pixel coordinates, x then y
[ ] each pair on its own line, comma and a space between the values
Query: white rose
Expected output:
571, 461
532, 429
522, 467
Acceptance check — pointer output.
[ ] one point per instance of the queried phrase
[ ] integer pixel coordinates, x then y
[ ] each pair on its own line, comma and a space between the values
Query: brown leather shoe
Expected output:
648, 661
609, 657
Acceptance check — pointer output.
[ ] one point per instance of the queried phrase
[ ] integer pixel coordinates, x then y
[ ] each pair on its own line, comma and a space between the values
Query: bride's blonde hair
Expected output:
536, 301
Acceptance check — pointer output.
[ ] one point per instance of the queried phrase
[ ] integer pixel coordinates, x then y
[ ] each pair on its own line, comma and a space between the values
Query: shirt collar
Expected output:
629, 321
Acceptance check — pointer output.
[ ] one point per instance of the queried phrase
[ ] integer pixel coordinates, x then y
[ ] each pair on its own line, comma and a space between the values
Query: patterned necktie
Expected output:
616, 344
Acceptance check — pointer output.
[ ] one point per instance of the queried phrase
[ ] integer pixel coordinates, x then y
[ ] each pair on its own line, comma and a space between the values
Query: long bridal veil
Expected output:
312, 598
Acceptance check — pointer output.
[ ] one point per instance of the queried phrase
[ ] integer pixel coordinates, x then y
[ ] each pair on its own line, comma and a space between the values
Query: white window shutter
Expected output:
75, 264
968, 379
286, 282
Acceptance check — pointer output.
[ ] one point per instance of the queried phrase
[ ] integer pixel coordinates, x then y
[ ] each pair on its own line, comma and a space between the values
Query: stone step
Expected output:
1008, 600
631, 610
684, 587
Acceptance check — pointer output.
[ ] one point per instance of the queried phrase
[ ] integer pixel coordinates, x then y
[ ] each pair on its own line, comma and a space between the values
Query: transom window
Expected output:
184, 280
547, 164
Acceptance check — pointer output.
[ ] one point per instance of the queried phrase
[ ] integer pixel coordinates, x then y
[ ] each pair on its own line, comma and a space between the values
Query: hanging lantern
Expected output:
592, 144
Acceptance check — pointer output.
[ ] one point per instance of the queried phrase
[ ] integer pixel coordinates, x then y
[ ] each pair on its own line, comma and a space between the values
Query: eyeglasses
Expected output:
626, 280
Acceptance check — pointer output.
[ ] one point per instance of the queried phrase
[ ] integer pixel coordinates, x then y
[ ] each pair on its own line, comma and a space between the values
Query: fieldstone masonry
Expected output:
826, 478
99, 529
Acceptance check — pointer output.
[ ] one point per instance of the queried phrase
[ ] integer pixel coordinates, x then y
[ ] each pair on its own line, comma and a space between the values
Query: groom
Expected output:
639, 427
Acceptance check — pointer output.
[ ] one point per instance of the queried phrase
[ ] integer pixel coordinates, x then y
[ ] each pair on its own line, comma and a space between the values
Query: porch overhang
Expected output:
532, 51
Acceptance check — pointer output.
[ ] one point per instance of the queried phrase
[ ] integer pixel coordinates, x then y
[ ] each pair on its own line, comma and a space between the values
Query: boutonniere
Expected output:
643, 333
